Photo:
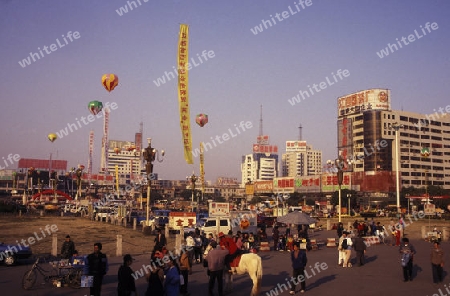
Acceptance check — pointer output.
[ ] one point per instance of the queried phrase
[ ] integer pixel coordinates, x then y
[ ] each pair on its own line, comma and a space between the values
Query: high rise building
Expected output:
367, 140
262, 164
300, 159
128, 159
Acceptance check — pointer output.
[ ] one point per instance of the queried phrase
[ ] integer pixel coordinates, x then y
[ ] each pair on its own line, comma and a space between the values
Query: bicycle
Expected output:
73, 277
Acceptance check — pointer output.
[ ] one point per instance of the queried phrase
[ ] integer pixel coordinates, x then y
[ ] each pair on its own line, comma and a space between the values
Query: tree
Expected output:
255, 200
220, 199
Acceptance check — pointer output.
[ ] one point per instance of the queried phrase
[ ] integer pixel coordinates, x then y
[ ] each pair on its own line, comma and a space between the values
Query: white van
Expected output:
293, 209
215, 225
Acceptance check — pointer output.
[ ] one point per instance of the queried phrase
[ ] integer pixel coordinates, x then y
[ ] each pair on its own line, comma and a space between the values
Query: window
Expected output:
211, 223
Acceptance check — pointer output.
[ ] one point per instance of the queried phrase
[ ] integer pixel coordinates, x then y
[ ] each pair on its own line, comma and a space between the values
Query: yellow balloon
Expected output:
110, 81
52, 137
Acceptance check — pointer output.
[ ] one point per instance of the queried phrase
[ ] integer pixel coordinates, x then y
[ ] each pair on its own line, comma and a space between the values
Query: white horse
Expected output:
250, 263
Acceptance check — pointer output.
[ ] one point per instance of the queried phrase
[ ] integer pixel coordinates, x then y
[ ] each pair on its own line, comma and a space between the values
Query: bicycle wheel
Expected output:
74, 278
29, 279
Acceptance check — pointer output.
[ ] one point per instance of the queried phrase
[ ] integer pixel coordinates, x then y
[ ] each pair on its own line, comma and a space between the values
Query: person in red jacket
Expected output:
227, 242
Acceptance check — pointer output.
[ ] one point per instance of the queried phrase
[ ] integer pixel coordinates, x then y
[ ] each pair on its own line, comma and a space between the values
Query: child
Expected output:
290, 243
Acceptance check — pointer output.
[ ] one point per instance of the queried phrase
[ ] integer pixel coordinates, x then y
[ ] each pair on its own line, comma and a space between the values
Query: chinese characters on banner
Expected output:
183, 98
330, 182
202, 168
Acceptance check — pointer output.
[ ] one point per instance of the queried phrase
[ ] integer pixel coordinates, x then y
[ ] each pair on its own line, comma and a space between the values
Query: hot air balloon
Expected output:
425, 152
52, 137
117, 150
110, 81
201, 119
95, 107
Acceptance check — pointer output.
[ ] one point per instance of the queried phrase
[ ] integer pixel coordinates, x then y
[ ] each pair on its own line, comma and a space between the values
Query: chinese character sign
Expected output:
183, 98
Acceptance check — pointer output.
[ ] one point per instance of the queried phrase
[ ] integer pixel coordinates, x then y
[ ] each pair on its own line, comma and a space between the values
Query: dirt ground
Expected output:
84, 233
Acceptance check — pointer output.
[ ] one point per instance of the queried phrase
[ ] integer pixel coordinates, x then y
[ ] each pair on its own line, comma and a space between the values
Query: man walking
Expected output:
216, 259
407, 251
347, 249
341, 251
360, 247
96, 266
437, 262
299, 260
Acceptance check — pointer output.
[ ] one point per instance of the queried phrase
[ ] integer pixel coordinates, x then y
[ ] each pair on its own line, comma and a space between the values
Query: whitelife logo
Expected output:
243, 126
281, 16
318, 87
85, 120
53, 47
124, 9
411, 38
172, 74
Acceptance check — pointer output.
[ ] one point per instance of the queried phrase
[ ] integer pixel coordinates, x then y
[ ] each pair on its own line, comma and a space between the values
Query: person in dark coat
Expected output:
160, 241
299, 260
340, 229
126, 284
275, 237
68, 248
155, 278
96, 266
360, 247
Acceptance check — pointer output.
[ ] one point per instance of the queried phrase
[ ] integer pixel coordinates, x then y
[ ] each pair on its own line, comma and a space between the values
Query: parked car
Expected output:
9, 254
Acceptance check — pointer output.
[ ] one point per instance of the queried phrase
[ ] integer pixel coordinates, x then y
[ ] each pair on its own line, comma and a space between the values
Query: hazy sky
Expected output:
247, 70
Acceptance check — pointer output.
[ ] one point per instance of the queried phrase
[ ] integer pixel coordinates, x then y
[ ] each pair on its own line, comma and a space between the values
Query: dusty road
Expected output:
85, 232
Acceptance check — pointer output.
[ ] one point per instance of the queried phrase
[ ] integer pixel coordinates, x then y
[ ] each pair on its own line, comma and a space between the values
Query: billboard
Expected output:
295, 146
217, 209
263, 186
330, 182
257, 148
371, 99
345, 140
44, 164
263, 140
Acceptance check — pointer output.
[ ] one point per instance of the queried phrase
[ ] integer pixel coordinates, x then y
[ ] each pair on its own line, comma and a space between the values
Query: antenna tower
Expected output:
260, 123
300, 132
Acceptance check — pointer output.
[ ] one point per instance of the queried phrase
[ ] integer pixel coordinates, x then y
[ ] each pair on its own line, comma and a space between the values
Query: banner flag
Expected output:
183, 97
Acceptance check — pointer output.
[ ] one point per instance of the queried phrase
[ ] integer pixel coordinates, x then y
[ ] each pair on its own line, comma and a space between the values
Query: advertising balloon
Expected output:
201, 119
95, 107
52, 137
110, 81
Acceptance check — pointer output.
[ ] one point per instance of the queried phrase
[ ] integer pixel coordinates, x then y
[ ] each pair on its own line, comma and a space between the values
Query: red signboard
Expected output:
43, 164
265, 148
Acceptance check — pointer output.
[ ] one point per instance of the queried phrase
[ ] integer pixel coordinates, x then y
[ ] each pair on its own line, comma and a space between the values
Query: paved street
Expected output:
382, 274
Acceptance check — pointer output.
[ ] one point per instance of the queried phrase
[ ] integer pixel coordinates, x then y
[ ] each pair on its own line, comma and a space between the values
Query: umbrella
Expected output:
297, 218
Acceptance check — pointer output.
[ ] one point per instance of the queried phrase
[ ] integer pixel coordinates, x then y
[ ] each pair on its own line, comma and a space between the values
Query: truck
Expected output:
221, 219
178, 221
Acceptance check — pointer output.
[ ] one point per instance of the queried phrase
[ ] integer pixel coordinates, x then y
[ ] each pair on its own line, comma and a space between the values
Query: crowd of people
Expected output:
353, 240
170, 275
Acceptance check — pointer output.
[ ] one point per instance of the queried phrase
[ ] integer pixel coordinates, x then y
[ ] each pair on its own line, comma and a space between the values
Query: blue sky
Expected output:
247, 71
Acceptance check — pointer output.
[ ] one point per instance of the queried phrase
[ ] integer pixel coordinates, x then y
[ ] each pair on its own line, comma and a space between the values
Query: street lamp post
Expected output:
339, 164
348, 205
407, 196
193, 178
150, 154
396, 127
